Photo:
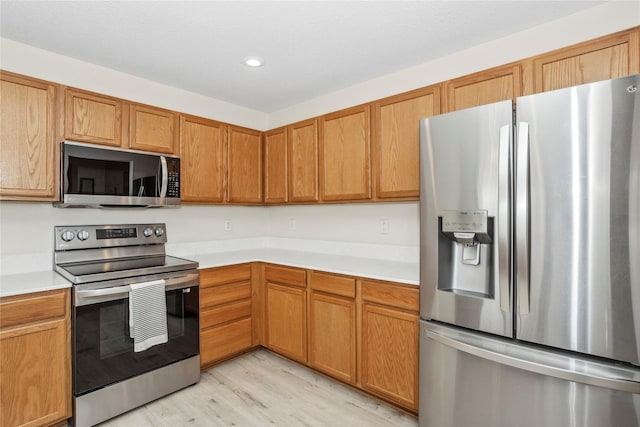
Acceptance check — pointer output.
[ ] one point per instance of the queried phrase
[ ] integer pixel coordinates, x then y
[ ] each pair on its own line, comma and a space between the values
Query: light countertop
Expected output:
38, 281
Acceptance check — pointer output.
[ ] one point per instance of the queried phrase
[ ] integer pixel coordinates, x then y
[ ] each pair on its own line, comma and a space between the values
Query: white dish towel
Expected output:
147, 314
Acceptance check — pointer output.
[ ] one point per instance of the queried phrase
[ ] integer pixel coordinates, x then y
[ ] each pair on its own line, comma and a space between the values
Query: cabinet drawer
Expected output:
218, 276
222, 341
32, 307
224, 293
337, 285
225, 313
285, 275
390, 294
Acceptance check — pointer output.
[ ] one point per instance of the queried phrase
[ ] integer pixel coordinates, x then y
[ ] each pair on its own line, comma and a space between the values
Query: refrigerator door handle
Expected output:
599, 378
503, 218
522, 218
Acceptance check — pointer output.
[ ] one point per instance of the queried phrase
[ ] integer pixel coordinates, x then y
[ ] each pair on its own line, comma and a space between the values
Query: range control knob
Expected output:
148, 232
68, 236
159, 231
83, 234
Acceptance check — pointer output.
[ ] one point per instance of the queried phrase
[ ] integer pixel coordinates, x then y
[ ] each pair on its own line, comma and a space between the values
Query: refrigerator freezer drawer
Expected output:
468, 379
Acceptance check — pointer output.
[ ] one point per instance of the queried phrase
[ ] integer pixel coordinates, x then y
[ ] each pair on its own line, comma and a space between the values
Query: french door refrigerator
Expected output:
530, 261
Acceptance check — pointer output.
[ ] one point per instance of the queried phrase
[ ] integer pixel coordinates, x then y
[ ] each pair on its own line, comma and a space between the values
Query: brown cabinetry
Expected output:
485, 87
332, 325
94, 118
35, 360
345, 172
286, 311
396, 141
153, 129
617, 55
275, 170
203, 152
245, 166
225, 312
302, 138
389, 354
28, 166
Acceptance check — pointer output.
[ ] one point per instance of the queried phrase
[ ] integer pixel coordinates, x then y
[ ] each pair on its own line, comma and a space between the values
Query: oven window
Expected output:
103, 349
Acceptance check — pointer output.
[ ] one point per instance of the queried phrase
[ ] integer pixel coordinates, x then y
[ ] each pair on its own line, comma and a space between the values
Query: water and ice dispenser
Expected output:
465, 252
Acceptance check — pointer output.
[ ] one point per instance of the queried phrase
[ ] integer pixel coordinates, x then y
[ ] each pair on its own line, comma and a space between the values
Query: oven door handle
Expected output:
169, 285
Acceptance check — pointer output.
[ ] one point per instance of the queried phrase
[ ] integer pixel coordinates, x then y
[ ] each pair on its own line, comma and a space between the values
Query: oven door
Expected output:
102, 348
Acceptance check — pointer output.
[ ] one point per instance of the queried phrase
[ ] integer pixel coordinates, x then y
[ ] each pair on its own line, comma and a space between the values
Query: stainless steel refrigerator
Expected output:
530, 261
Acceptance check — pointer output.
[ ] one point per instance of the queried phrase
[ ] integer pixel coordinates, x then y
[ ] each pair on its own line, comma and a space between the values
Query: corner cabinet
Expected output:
28, 158
244, 154
390, 341
203, 150
35, 359
275, 169
153, 129
396, 142
345, 163
225, 312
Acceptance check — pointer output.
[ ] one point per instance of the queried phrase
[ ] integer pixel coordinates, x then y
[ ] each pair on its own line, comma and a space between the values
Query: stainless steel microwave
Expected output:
98, 176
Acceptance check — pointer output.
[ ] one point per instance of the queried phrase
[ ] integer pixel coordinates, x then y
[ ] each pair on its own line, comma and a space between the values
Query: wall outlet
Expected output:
227, 225
292, 223
384, 226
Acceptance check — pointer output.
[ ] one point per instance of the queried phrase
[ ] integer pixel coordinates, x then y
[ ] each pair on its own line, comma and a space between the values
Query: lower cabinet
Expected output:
225, 312
390, 342
286, 311
332, 326
35, 359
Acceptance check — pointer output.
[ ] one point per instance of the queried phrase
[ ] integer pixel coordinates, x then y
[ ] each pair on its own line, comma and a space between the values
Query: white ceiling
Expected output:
310, 47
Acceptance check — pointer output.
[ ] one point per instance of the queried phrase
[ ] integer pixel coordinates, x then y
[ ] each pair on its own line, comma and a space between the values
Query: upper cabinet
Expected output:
203, 152
275, 169
396, 141
345, 172
245, 166
153, 129
617, 55
302, 138
28, 135
485, 87
94, 118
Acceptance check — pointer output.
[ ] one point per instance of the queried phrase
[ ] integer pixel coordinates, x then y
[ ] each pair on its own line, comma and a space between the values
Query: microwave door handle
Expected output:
165, 176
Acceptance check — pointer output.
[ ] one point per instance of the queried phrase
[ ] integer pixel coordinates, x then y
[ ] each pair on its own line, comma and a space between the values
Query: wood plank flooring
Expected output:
261, 388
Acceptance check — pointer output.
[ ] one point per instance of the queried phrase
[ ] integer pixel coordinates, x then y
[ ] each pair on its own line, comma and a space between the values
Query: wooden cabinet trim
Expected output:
333, 284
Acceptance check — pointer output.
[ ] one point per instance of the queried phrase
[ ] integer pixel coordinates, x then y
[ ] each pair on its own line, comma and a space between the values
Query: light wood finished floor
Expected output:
260, 389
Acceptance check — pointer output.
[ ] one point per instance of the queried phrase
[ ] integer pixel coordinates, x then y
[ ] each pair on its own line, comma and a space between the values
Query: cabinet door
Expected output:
222, 341
275, 169
245, 165
153, 129
35, 376
303, 161
287, 321
396, 141
485, 87
617, 55
202, 160
27, 131
332, 334
345, 162
390, 354
93, 118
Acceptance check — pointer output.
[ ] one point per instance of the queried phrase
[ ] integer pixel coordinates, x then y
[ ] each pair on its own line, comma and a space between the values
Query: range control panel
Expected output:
70, 237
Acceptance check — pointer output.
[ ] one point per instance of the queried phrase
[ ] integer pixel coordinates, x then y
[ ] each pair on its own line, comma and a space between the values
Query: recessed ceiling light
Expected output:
254, 61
